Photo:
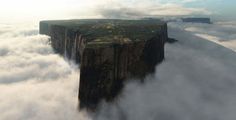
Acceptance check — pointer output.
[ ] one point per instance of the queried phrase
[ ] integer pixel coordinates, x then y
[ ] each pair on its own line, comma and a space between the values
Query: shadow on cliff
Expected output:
195, 81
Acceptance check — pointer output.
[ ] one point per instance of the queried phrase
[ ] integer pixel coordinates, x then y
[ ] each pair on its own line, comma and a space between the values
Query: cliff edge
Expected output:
109, 52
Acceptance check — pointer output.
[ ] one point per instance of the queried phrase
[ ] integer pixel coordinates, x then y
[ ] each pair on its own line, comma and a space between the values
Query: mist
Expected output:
16, 11
196, 81
35, 83
28, 11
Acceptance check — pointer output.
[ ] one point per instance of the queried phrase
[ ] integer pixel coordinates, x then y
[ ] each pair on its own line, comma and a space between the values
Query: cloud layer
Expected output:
26, 10
196, 80
223, 33
35, 83
140, 9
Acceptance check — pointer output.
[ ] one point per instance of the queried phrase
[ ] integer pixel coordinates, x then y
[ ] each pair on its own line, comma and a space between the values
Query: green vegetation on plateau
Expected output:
106, 31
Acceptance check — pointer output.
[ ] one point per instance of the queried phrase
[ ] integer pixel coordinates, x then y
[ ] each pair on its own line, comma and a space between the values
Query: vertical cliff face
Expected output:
107, 68
109, 52
64, 41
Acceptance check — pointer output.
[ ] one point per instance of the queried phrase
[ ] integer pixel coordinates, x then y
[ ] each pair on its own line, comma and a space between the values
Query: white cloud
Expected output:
35, 83
186, 1
140, 9
26, 10
196, 80
223, 33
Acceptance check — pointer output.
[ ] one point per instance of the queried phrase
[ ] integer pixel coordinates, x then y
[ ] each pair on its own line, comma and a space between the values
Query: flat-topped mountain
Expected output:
109, 52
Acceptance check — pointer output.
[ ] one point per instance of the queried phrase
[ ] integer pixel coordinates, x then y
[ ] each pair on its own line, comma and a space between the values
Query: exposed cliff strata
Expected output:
109, 52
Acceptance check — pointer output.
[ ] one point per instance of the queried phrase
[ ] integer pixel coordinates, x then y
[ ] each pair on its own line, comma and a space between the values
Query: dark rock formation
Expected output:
197, 20
109, 52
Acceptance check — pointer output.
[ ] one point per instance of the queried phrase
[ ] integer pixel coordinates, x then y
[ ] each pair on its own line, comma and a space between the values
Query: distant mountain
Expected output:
197, 20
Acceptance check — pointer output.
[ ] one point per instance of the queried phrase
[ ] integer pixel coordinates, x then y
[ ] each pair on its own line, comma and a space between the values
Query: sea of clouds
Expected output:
195, 81
223, 33
35, 83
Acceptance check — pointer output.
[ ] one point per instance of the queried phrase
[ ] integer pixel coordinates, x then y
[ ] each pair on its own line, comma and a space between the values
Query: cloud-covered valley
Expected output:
35, 83
196, 80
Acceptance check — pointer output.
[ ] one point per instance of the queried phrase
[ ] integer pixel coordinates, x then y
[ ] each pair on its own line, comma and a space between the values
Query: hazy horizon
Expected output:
27, 10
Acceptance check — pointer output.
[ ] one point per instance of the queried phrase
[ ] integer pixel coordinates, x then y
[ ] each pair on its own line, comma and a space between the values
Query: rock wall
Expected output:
64, 41
103, 69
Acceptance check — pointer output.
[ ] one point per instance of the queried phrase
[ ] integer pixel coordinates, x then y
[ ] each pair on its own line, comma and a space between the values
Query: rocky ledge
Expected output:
109, 52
